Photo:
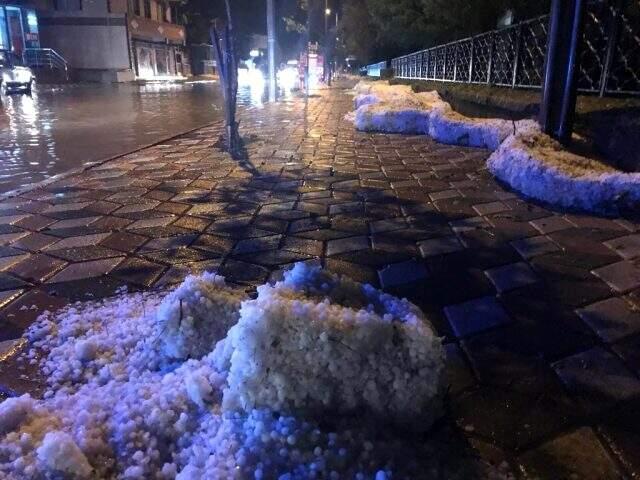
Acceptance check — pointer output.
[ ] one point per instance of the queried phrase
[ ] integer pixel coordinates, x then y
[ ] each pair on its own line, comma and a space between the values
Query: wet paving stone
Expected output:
37, 268
85, 270
242, 272
551, 224
9, 282
83, 254
252, 245
598, 379
627, 247
459, 374
612, 319
572, 284
23, 311
440, 246
349, 244
401, 273
534, 246
512, 276
622, 276
178, 255
123, 241
475, 316
138, 271
509, 419
629, 351
177, 273
575, 455
83, 290
621, 431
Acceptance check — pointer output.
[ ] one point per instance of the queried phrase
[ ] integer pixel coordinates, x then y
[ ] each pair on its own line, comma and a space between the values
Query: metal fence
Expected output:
514, 56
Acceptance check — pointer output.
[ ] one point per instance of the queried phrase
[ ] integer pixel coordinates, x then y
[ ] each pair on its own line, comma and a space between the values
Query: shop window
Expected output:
134, 7
4, 35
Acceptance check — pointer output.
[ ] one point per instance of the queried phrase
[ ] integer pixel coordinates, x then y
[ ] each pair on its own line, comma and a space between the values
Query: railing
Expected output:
45, 58
514, 56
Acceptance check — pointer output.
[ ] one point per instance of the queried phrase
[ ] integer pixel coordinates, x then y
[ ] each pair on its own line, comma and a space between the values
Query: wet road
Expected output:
58, 129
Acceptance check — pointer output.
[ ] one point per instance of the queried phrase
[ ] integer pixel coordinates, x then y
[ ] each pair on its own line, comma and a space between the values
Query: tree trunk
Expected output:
224, 46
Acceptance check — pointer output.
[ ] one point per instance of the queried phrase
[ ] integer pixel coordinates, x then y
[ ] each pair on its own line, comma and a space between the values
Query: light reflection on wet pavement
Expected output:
62, 128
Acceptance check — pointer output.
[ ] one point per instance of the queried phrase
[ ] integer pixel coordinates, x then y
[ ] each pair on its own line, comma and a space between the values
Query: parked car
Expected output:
14, 76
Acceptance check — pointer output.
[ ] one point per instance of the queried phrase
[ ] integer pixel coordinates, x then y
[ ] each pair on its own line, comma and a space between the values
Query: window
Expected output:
134, 7
147, 8
162, 12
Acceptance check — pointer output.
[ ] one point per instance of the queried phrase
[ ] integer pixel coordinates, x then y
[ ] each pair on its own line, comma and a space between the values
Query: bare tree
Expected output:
224, 46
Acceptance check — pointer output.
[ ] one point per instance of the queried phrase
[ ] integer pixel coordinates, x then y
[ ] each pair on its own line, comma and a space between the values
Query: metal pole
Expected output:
271, 47
615, 9
516, 57
559, 89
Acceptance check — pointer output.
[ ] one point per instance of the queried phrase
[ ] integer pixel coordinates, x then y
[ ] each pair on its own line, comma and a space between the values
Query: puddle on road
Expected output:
61, 128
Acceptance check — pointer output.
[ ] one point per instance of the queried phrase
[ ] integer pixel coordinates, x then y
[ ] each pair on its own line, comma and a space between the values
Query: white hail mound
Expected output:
317, 344
523, 157
124, 403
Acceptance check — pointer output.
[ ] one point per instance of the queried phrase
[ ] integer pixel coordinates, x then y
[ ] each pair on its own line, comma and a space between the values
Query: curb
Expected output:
61, 176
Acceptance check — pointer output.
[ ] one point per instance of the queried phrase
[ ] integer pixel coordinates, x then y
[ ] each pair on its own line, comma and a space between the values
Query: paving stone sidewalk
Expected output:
540, 309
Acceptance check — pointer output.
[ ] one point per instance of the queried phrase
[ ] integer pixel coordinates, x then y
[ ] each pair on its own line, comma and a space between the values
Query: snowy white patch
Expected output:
397, 109
537, 166
523, 156
60, 454
196, 315
124, 403
317, 344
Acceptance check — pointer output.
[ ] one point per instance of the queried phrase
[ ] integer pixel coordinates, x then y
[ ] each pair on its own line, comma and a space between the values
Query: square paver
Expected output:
73, 223
251, 245
577, 455
401, 273
490, 208
612, 319
534, 246
440, 246
349, 244
79, 241
597, 378
622, 276
627, 247
476, 316
551, 224
91, 269
37, 268
139, 271
512, 276
151, 222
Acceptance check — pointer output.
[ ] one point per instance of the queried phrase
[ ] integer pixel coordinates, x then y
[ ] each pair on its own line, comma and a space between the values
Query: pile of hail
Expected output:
317, 377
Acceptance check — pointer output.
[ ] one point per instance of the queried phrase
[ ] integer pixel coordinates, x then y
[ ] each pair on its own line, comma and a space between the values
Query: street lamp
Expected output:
327, 11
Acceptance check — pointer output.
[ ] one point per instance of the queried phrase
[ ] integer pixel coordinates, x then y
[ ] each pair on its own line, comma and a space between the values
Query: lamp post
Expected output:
326, 72
271, 49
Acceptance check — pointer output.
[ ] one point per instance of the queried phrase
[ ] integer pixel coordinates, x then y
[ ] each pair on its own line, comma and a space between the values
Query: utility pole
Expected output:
327, 43
271, 49
559, 87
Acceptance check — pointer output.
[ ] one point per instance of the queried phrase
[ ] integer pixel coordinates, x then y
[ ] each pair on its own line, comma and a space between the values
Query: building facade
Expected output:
18, 28
109, 40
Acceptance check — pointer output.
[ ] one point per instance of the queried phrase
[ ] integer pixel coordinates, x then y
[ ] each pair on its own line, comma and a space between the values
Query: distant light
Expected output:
32, 20
327, 12
254, 53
